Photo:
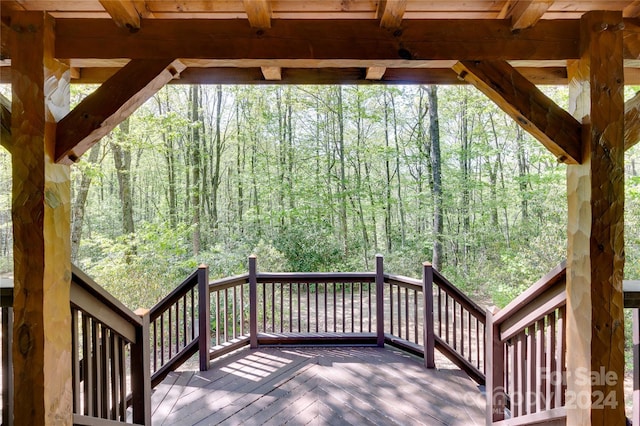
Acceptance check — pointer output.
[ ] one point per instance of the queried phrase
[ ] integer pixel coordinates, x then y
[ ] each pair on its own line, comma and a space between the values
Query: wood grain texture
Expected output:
123, 12
258, 13
110, 104
390, 13
595, 260
41, 218
556, 129
317, 39
526, 13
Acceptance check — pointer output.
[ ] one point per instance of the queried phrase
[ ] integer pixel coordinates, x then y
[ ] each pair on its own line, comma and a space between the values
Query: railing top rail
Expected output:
88, 284
222, 283
550, 279
462, 298
186, 285
315, 277
401, 280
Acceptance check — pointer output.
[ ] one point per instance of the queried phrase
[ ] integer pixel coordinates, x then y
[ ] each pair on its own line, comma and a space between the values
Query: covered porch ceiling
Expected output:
320, 41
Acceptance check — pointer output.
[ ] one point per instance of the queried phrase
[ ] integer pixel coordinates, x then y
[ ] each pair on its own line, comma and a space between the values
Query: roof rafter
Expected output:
258, 12
272, 73
111, 104
525, 13
124, 13
375, 73
390, 13
554, 127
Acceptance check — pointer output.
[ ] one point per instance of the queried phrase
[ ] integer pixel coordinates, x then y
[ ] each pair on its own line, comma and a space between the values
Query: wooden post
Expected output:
494, 360
7, 366
635, 419
204, 317
380, 300
595, 259
429, 339
141, 372
253, 302
41, 226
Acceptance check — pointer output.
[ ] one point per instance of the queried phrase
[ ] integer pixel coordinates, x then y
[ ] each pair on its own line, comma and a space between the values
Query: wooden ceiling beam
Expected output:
5, 123
258, 12
111, 104
526, 13
124, 13
390, 13
318, 40
554, 127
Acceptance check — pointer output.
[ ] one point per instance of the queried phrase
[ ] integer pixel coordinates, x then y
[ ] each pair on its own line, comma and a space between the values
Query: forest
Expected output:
319, 178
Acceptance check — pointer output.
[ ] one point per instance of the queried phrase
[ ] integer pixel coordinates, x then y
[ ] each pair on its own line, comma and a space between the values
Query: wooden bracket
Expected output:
114, 101
554, 127
5, 123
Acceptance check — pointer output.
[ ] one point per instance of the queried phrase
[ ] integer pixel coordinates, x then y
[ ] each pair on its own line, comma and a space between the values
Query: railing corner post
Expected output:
380, 300
204, 317
494, 373
429, 336
253, 302
141, 372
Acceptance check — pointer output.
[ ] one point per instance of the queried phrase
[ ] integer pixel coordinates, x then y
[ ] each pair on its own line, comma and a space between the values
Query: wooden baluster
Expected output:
170, 329
299, 328
415, 316
562, 351
94, 366
162, 345
234, 317
242, 309
406, 313
380, 300
122, 369
177, 326
184, 321
352, 308
455, 324
113, 377
76, 372
317, 307
308, 308
193, 315
253, 301
552, 366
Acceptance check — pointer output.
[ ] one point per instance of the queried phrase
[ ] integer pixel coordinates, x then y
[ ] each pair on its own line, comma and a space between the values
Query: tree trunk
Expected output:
79, 204
195, 168
436, 170
122, 162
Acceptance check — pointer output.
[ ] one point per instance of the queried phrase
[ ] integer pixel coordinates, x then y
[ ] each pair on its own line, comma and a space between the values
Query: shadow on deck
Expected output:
313, 385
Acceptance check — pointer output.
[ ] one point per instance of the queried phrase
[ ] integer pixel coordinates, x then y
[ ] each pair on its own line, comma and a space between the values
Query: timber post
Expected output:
635, 416
494, 361
429, 338
253, 302
380, 300
595, 255
141, 372
204, 317
42, 226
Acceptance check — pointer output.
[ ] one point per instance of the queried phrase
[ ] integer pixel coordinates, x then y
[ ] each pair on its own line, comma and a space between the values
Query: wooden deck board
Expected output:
318, 386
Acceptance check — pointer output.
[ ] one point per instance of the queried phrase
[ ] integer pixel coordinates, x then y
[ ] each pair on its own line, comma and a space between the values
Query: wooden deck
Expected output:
311, 385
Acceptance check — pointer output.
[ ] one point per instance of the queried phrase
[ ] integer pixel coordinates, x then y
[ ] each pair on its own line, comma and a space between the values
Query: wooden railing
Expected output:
526, 355
109, 346
266, 308
175, 324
